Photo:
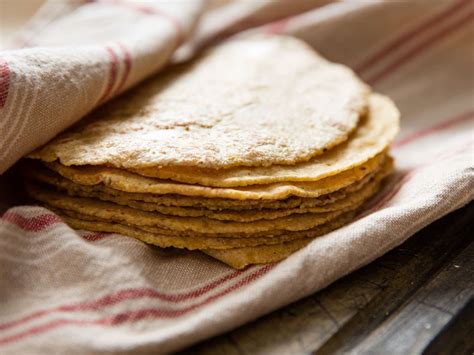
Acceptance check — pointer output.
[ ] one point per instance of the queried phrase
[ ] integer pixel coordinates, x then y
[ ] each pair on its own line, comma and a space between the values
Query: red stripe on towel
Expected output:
412, 33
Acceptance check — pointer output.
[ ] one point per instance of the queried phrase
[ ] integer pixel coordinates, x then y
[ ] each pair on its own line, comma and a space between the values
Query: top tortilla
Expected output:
249, 102
334, 170
374, 134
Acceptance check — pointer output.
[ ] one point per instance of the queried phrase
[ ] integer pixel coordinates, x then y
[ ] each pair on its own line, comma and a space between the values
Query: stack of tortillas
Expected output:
247, 154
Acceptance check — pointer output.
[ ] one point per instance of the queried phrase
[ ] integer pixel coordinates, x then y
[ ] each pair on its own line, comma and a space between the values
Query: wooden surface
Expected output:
416, 299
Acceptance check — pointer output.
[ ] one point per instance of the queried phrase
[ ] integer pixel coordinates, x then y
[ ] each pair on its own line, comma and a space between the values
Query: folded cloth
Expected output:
80, 292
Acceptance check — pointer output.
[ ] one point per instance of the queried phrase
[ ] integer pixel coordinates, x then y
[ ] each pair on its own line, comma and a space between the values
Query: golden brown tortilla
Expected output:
372, 136
129, 182
39, 173
239, 258
348, 200
218, 113
192, 242
116, 213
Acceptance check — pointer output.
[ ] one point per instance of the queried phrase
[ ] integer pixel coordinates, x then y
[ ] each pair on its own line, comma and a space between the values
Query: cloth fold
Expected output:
78, 55
80, 292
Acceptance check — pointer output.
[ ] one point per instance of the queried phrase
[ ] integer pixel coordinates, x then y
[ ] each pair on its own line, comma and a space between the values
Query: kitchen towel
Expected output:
80, 292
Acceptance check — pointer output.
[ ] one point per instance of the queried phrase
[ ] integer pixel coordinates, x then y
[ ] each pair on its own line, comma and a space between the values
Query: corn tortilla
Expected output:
363, 193
368, 143
129, 182
192, 234
238, 258
194, 242
373, 135
117, 213
234, 106
38, 173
